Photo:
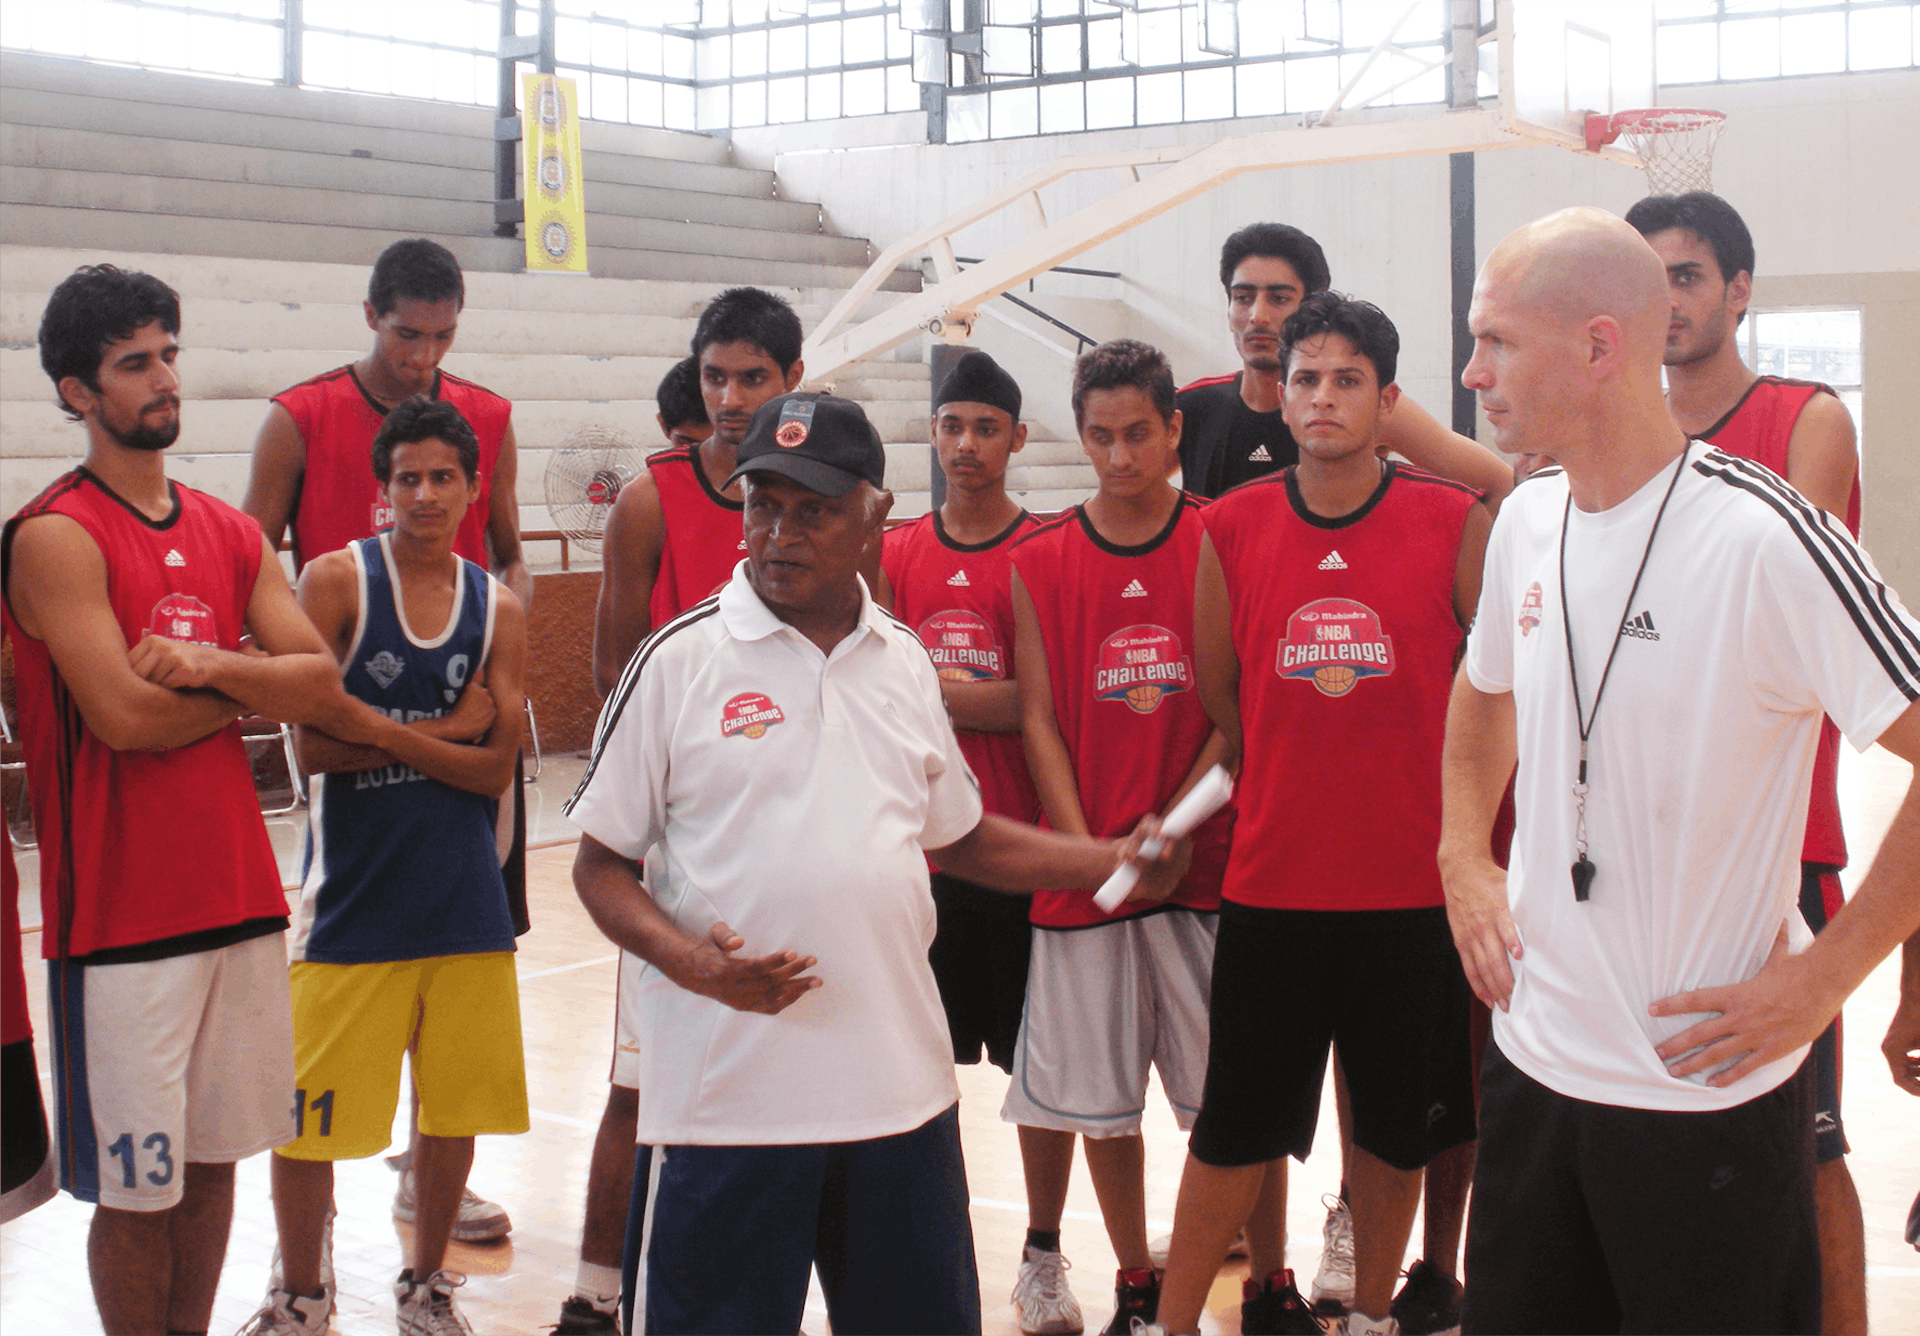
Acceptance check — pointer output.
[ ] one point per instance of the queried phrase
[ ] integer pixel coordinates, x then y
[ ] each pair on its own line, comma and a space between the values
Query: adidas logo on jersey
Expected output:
174, 558
1332, 562
1134, 589
1260, 455
1641, 626
959, 580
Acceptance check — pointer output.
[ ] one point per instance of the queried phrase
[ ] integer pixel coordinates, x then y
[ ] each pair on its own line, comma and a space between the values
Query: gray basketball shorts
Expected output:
1104, 1005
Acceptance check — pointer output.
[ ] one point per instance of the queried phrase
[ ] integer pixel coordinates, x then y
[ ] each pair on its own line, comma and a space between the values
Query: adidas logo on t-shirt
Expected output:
1260, 455
174, 558
1641, 626
1134, 589
959, 580
1332, 562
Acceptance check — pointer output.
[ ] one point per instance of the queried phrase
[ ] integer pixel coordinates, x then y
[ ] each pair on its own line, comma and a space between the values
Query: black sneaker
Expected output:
1429, 1303
580, 1318
1276, 1308
1136, 1294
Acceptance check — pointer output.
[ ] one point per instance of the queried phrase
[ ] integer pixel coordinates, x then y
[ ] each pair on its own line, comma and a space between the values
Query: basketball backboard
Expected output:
1562, 59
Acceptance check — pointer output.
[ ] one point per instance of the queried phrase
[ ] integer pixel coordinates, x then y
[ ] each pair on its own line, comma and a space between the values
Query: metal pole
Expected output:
944, 356
508, 210
506, 150
1460, 216
1464, 92
293, 24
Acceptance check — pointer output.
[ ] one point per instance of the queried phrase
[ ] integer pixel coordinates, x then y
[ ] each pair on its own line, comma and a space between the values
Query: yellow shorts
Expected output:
460, 1016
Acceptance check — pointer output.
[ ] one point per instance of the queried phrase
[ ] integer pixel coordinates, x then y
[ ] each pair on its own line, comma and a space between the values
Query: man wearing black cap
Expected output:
785, 752
947, 576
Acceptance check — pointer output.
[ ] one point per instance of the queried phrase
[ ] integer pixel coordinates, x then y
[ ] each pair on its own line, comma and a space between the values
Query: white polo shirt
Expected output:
789, 794
1756, 612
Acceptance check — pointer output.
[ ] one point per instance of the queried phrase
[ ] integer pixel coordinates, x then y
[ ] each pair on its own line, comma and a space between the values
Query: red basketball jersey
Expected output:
1117, 623
140, 846
1345, 632
15, 1025
957, 598
1759, 428
703, 540
340, 502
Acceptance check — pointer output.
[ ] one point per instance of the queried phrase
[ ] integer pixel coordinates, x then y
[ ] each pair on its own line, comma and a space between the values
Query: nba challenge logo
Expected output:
749, 715
1333, 643
1142, 665
962, 647
1530, 610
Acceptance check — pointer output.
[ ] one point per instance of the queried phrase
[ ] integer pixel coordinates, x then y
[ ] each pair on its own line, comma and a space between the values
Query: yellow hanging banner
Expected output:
556, 211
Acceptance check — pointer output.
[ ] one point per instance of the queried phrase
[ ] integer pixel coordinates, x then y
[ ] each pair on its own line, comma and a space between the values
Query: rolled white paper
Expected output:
1201, 802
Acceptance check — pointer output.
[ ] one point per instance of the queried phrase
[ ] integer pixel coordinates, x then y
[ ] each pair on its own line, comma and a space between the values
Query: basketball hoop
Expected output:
1674, 144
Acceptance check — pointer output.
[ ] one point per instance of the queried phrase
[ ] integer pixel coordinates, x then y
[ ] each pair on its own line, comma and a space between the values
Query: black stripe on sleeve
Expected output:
1893, 639
629, 678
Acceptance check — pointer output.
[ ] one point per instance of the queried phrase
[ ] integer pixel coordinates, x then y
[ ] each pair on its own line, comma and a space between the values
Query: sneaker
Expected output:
1429, 1303
427, 1307
1136, 1298
1275, 1308
580, 1318
1047, 1306
1157, 1250
289, 1314
477, 1221
1353, 1324
1333, 1282
327, 1285
1140, 1328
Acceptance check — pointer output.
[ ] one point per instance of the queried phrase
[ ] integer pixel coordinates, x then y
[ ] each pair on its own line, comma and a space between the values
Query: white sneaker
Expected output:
427, 1307
288, 1314
327, 1285
1354, 1324
1157, 1250
476, 1221
1333, 1282
1047, 1306
1147, 1328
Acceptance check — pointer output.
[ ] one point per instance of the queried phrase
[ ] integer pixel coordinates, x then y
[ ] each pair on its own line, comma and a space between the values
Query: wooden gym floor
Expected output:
567, 988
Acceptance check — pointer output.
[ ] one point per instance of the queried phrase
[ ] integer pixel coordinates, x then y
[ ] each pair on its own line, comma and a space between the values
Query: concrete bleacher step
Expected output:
222, 202
570, 352
109, 229
51, 90
31, 149
98, 156
32, 271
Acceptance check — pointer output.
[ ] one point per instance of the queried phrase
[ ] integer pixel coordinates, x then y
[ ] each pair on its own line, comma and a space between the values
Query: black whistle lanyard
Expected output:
1583, 868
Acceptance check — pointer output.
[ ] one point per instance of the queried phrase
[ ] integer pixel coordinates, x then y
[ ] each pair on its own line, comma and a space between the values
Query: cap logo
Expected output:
796, 420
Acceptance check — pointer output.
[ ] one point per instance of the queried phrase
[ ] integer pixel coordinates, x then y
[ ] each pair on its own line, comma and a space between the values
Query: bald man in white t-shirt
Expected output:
1660, 628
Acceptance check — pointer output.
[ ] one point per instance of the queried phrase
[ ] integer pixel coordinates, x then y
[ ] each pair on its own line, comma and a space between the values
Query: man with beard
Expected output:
146, 619
1801, 431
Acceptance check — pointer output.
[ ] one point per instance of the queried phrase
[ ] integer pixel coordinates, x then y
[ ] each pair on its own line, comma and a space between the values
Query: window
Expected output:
1723, 41
1809, 344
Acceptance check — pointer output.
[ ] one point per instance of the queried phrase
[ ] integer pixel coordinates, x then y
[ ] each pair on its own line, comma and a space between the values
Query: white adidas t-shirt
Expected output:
789, 794
1755, 613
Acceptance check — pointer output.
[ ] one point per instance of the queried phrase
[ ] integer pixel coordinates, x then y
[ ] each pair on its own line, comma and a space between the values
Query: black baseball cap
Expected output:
822, 442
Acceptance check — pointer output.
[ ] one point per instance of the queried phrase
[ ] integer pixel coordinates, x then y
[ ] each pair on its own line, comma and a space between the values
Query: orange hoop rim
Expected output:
1604, 129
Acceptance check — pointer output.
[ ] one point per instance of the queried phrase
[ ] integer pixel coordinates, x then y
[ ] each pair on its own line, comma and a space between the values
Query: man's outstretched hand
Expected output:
768, 984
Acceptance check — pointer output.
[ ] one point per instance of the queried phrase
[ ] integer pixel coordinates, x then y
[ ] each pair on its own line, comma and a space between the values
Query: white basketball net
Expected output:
1674, 144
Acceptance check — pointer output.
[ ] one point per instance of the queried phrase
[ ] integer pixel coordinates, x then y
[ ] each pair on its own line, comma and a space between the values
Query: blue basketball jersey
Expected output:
400, 866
